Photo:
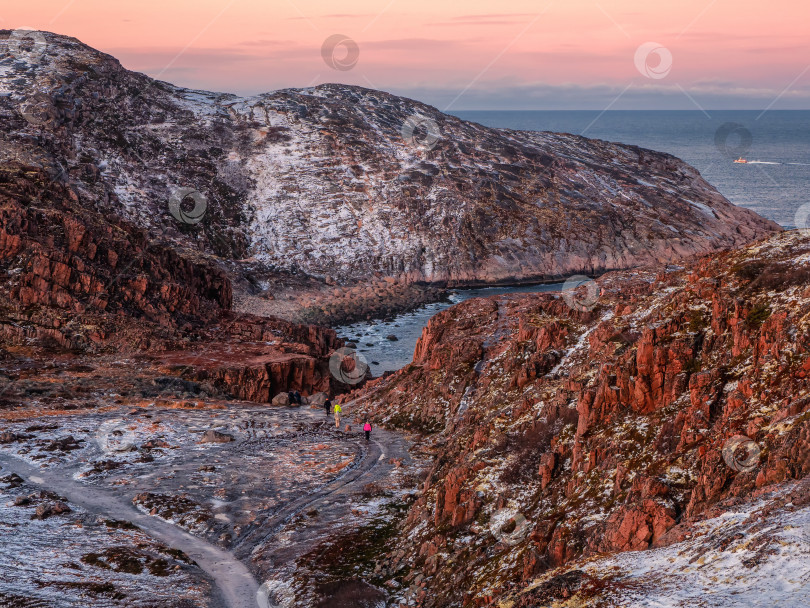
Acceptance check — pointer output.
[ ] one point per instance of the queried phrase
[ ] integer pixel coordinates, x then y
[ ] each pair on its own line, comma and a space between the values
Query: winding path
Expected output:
234, 581
236, 585
347, 481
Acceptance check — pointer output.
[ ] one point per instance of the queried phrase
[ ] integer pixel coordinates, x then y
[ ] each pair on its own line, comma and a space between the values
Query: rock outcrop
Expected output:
329, 182
561, 433
82, 283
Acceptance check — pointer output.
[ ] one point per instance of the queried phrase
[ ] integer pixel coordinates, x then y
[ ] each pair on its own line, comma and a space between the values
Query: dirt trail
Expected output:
346, 481
235, 584
383, 446
233, 580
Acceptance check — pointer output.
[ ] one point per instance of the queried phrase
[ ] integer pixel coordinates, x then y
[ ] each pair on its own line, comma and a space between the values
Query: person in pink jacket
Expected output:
367, 430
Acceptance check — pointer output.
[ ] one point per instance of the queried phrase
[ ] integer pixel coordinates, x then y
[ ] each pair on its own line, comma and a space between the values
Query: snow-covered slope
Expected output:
754, 556
347, 182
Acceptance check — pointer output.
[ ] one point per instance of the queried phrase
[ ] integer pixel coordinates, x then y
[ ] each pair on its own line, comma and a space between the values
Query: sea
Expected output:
774, 183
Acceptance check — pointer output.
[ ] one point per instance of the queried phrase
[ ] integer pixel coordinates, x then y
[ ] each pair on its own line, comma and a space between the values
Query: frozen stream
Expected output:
383, 354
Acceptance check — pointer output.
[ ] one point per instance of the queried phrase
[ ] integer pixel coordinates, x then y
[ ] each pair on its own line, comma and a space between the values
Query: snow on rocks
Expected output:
321, 180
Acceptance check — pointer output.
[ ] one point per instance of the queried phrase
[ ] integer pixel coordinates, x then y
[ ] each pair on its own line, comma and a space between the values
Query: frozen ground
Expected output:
742, 559
756, 555
280, 482
80, 559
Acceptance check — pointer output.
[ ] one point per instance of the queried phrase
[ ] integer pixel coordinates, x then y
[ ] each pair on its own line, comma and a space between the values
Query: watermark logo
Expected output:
802, 218
580, 293
733, 140
27, 44
653, 60
187, 205
37, 110
421, 132
741, 454
115, 436
333, 57
509, 526
348, 366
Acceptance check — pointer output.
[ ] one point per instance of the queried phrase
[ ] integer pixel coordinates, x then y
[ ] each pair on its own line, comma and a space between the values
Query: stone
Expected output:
48, 509
318, 399
13, 480
8, 437
212, 436
281, 399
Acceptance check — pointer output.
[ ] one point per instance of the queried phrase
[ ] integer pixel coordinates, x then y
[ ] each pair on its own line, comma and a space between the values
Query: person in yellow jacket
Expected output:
337, 410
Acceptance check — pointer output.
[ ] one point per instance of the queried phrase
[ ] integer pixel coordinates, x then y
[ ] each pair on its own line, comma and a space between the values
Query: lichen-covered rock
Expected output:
289, 176
686, 390
49, 509
213, 436
60, 294
281, 399
8, 437
317, 400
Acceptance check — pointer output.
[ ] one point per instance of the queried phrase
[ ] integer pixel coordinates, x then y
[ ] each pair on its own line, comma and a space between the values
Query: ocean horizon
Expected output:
776, 143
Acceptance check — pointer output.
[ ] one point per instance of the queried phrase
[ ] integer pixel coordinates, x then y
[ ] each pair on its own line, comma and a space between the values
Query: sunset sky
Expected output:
476, 54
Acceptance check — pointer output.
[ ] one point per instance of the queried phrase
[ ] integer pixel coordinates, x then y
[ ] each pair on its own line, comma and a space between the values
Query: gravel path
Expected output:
234, 581
235, 585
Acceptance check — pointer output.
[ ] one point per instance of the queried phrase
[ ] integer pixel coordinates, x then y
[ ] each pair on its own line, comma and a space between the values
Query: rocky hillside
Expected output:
561, 433
92, 305
342, 183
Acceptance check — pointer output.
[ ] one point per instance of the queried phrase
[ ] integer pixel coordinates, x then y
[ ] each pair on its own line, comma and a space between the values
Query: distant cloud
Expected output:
346, 15
485, 19
267, 43
332, 16
409, 44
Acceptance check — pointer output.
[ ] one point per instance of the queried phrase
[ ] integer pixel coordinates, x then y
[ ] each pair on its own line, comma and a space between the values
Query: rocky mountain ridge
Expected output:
561, 434
344, 183
93, 291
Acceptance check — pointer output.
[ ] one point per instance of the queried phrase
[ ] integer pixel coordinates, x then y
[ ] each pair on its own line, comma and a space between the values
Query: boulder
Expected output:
13, 480
213, 436
8, 437
281, 399
46, 510
65, 444
317, 400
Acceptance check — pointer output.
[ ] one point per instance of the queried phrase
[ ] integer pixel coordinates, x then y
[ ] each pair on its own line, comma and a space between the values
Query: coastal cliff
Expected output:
329, 186
560, 433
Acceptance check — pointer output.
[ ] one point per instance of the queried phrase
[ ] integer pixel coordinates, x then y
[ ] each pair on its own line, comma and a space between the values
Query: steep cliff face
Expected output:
562, 433
62, 254
331, 181
81, 285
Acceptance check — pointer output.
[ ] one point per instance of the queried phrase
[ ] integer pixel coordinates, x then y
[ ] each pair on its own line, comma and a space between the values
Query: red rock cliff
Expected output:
75, 278
607, 430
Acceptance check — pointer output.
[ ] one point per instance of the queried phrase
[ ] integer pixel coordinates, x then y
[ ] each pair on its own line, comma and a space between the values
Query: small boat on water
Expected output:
741, 160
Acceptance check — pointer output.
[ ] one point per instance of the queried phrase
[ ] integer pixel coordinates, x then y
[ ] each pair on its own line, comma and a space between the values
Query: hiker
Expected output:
367, 430
327, 407
297, 398
338, 409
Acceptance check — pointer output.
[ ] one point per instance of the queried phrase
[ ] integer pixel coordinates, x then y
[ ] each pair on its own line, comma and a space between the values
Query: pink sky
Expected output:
472, 54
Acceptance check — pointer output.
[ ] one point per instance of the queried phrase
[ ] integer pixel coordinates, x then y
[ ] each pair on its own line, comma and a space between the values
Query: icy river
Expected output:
383, 354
